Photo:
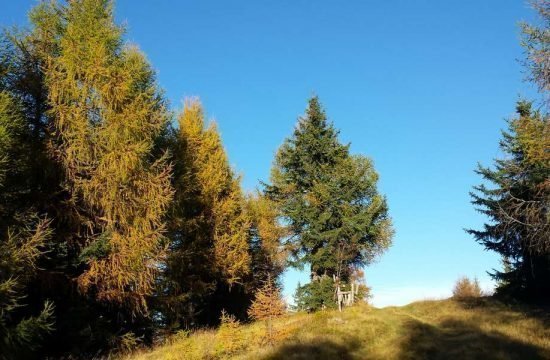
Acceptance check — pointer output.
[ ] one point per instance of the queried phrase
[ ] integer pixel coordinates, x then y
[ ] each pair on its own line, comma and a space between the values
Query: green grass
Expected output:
445, 329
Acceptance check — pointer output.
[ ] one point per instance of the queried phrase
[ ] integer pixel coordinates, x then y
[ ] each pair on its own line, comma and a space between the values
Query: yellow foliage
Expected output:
466, 288
263, 214
534, 136
229, 338
219, 191
267, 303
108, 113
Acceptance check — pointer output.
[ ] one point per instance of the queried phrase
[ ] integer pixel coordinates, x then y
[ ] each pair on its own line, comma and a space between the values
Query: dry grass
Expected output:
445, 329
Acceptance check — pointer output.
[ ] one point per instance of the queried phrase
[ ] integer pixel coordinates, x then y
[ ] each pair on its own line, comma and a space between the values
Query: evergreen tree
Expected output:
32, 179
35, 188
23, 237
108, 114
517, 205
329, 199
113, 89
316, 295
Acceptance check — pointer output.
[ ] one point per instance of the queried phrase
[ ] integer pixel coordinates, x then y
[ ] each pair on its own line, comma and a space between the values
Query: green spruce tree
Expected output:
337, 219
517, 199
517, 204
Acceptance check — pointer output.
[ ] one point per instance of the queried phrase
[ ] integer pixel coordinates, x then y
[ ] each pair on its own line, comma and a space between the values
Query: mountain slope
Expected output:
444, 329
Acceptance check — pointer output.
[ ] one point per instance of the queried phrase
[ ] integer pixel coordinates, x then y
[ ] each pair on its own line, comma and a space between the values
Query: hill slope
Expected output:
445, 329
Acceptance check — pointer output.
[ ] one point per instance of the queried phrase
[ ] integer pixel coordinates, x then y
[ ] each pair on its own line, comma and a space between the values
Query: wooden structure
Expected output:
346, 298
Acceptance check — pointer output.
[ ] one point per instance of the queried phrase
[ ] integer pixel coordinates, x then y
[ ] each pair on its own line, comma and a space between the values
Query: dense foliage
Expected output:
316, 295
122, 223
24, 237
320, 294
208, 226
517, 204
117, 224
518, 197
267, 305
338, 221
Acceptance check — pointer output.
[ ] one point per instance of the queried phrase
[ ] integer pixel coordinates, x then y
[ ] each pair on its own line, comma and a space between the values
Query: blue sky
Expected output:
422, 87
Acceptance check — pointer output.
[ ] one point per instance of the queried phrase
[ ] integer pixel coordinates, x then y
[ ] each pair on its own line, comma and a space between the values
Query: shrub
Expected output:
229, 338
316, 295
466, 288
126, 343
267, 305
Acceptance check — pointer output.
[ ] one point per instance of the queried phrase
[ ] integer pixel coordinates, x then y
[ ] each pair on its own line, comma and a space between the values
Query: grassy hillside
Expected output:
446, 329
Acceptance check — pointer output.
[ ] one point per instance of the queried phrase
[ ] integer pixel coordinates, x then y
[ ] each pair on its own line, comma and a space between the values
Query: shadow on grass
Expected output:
454, 338
507, 310
459, 340
317, 349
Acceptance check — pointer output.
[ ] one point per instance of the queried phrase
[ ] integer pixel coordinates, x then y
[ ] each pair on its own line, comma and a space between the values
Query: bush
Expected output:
466, 288
229, 338
316, 295
267, 305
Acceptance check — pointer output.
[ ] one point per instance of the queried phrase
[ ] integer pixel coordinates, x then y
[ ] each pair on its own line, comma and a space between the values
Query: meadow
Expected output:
433, 329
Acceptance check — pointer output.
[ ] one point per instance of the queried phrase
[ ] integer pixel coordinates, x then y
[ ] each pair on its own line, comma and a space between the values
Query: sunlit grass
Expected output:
445, 329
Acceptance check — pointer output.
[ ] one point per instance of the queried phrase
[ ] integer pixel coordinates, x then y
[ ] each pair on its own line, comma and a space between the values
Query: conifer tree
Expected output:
267, 305
19, 251
316, 295
328, 197
34, 254
22, 237
517, 205
266, 240
219, 190
517, 201
108, 114
208, 227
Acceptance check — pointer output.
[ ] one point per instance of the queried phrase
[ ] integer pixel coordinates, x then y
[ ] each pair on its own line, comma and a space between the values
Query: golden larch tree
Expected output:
108, 114
267, 305
218, 191
267, 235
208, 225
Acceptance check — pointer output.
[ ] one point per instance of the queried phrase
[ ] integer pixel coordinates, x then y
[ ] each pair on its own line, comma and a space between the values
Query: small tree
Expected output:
466, 288
363, 294
316, 295
229, 338
267, 305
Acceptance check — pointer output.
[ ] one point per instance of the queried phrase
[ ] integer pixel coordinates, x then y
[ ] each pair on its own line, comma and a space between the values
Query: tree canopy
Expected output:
329, 199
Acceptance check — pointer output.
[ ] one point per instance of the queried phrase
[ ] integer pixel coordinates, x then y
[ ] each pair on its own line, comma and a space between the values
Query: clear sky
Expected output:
422, 87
